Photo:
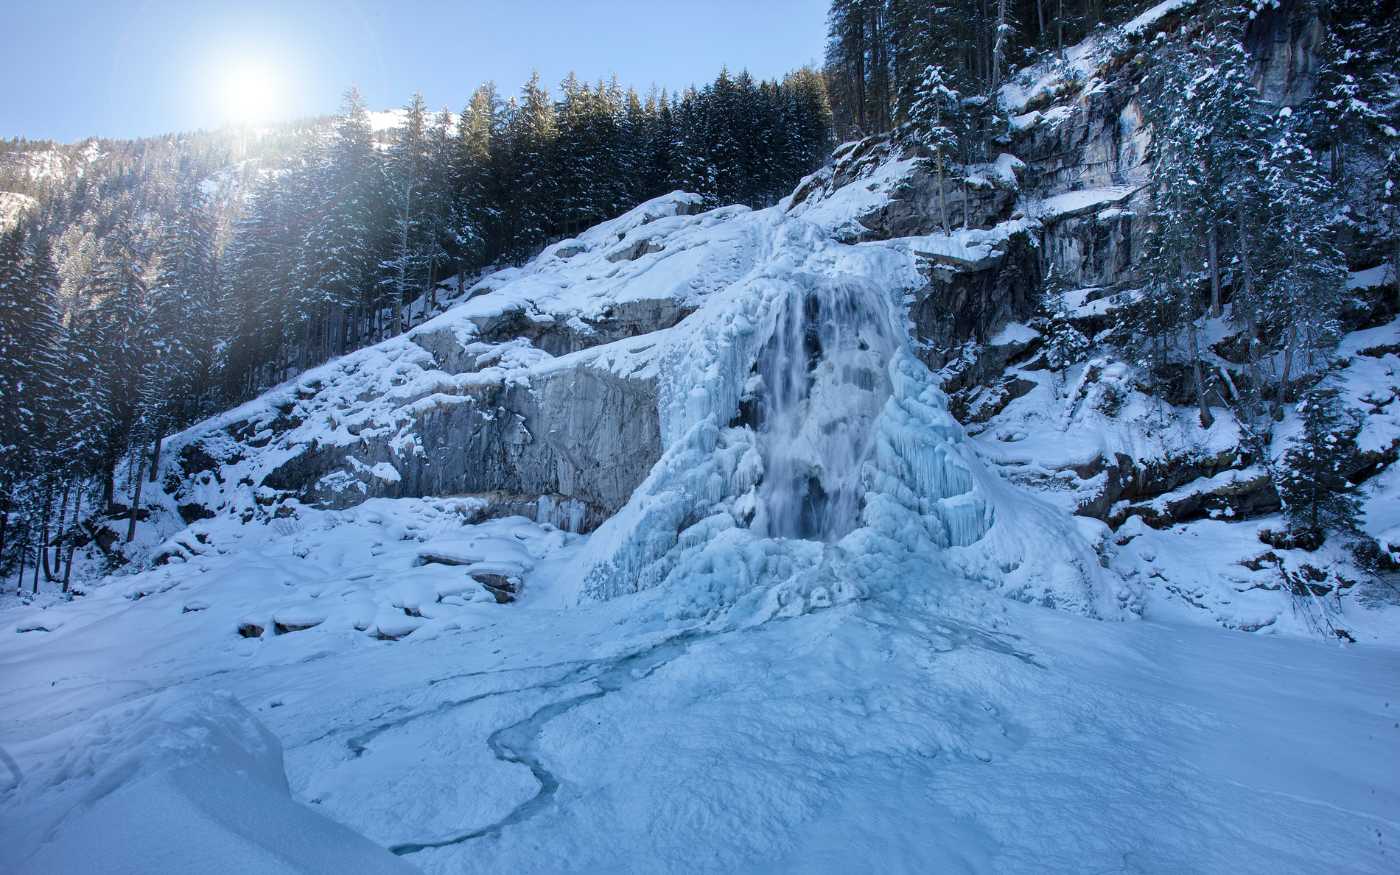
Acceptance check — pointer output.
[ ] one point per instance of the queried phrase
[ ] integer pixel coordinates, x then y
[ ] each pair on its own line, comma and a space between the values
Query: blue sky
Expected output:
136, 67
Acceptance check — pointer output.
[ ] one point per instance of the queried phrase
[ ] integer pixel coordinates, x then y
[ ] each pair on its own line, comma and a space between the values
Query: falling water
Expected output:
821, 382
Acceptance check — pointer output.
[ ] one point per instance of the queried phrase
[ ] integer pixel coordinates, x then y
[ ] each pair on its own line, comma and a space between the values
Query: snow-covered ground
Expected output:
929, 728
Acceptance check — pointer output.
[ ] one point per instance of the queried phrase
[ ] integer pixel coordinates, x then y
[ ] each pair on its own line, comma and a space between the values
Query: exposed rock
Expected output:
636, 250
1127, 480
986, 402
299, 623
557, 335
583, 434
1283, 39
504, 589
1098, 248
1237, 498
193, 512
913, 208
250, 630
959, 305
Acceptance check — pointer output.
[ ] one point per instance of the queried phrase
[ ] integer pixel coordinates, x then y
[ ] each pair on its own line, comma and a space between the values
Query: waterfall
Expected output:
820, 383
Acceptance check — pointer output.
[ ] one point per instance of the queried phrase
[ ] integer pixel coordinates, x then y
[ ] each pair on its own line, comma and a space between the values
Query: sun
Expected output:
251, 90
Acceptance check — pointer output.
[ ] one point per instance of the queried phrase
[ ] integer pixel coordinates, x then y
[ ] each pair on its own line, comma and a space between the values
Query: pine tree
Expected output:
475, 204
180, 303
531, 131
1307, 274
1311, 477
415, 248
30, 335
116, 292
1065, 345
1227, 126
936, 122
346, 238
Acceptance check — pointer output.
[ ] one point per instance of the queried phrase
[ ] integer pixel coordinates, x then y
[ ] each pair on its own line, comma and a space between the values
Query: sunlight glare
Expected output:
252, 91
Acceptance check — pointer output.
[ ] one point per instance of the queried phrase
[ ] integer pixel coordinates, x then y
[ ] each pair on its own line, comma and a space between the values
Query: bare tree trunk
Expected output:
942, 195
1206, 418
44, 531
136, 500
1213, 254
1395, 268
998, 45
38, 553
1246, 300
1060, 30
1194, 350
155, 457
1284, 374
73, 542
23, 555
109, 484
60, 529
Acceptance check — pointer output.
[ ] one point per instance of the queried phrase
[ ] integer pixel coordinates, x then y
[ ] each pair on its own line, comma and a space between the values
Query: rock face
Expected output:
1283, 41
964, 303
563, 336
571, 445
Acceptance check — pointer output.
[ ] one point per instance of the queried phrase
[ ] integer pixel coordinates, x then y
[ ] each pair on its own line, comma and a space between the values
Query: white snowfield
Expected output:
850, 640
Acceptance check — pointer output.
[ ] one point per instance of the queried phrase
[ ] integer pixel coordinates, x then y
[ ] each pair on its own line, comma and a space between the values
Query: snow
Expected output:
1014, 332
1150, 17
1073, 203
388, 119
909, 731
972, 247
840, 215
1379, 275
1079, 64
12, 206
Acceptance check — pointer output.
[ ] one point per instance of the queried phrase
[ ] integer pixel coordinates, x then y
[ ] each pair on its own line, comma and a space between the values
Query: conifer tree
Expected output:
476, 206
1307, 274
414, 250
1311, 477
180, 303
30, 335
117, 292
936, 121
346, 237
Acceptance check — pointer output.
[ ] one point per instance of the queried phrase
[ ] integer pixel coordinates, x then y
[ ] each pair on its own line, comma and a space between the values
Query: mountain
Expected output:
835, 535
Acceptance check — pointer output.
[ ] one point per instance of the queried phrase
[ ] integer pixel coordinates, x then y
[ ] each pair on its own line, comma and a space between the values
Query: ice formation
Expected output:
810, 456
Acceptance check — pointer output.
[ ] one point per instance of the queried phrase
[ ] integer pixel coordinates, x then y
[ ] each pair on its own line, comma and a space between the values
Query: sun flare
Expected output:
251, 91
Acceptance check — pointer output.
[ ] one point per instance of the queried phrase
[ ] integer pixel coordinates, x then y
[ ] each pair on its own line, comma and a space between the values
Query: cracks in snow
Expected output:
517, 742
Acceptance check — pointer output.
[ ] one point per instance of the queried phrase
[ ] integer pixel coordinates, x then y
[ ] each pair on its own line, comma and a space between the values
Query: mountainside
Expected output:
831, 536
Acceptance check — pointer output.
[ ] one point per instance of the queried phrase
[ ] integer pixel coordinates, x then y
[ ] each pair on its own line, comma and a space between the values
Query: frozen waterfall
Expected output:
819, 385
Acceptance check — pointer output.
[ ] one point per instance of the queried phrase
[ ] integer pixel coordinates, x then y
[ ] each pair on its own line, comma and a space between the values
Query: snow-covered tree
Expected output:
1311, 477
936, 123
1305, 273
